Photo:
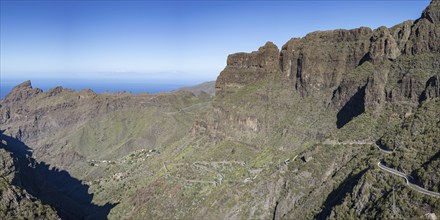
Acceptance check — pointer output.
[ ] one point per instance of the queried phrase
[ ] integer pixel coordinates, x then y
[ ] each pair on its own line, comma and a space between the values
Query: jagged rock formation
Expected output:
374, 63
21, 93
288, 135
243, 68
66, 129
432, 88
359, 73
32, 115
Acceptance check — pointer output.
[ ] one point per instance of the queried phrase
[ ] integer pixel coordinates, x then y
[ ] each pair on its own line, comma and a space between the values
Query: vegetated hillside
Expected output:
201, 89
15, 203
290, 134
415, 143
82, 132
65, 127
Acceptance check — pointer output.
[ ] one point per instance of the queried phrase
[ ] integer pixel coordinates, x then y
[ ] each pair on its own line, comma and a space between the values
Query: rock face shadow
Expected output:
354, 107
336, 197
382, 145
54, 187
431, 83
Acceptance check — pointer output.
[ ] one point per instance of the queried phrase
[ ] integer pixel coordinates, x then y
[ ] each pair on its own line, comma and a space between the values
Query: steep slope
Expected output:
270, 105
79, 132
415, 146
203, 88
64, 127
290, 134
15, 203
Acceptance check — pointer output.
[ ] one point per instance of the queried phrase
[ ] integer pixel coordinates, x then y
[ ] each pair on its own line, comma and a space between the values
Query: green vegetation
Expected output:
16, 203
268, 147
416, 142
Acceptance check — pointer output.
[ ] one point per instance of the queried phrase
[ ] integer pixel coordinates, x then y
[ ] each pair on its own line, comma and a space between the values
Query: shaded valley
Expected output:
54, 187
295, 132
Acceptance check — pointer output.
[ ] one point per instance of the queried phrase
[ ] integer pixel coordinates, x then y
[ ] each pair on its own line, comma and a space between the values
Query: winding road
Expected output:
383, 150
409, 179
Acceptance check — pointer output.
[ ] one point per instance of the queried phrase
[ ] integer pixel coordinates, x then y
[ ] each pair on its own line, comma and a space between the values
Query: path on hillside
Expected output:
383, 150
408, 178
184, 110
358, 142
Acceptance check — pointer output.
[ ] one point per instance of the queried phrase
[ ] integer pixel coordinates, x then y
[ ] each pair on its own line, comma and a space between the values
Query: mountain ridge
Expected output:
290, 134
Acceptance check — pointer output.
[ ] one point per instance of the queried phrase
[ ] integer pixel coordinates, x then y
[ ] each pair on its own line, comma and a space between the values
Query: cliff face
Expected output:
371, 67
320, 60
368, 83
243, 68
290, 134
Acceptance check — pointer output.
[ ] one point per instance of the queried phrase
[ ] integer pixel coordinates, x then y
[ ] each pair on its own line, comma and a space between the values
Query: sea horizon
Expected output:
99, 86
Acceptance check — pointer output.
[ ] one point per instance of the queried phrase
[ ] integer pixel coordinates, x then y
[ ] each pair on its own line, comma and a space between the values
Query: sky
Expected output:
165, 40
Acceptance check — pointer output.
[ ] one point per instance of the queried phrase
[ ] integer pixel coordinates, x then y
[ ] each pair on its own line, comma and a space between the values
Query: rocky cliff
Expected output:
359, 68
359, 84
292, 133
243, 68
323, 59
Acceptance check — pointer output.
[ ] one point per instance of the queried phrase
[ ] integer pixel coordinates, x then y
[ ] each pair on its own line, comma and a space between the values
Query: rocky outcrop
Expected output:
401, 33
432, 88
265, 58
432, 12
245, 68
383, 46
35, 117
223, 122
408, 89
375, 89
425, 32
335, 63
22, 92
272, 106
320, 60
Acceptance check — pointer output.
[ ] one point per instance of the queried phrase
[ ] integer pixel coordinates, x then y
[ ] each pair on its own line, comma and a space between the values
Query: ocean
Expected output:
99, 86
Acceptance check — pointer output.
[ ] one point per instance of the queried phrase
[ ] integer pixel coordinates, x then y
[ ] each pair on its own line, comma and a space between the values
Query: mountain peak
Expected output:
22, 91
432, 12
435, 2
270, 44
23, 85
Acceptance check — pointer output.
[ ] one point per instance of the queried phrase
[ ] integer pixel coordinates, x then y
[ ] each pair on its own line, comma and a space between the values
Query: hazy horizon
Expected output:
320, 109
101, 85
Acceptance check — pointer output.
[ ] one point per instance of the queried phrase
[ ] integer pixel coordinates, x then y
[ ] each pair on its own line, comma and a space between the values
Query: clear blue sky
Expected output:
145, 40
